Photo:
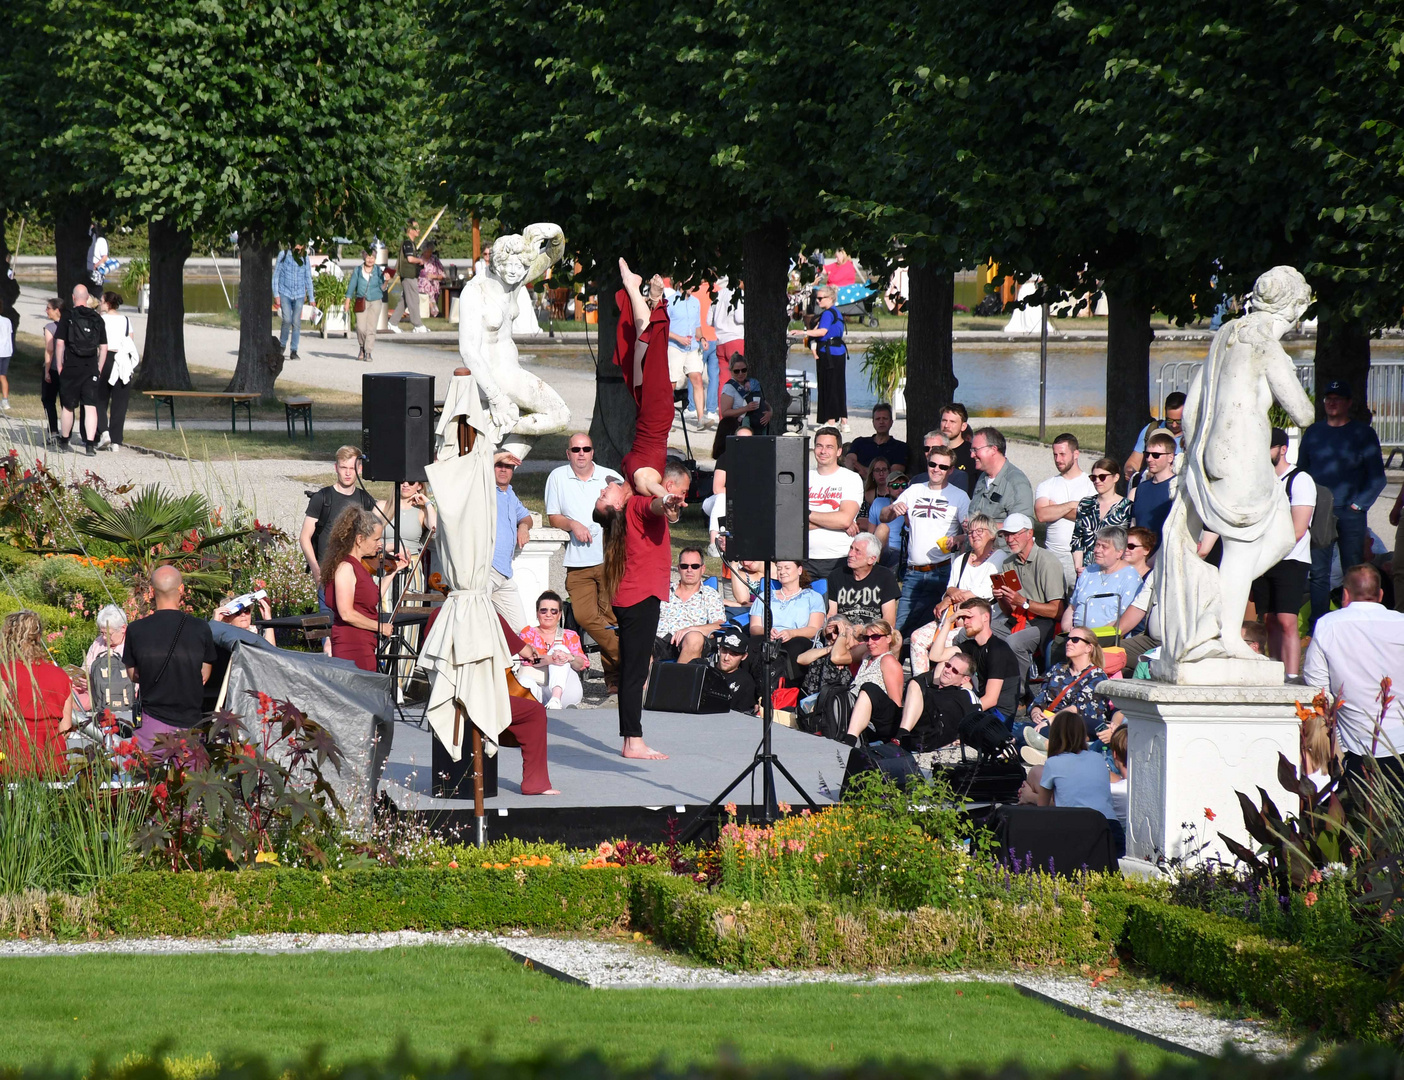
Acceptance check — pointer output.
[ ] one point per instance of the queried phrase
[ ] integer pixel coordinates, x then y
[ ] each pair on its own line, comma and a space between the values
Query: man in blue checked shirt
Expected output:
292, 285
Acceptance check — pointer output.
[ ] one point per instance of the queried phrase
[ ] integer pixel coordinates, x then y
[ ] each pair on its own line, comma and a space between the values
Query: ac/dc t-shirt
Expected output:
861, 601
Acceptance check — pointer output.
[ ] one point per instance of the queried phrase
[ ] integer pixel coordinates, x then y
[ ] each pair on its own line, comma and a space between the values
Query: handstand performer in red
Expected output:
635, 515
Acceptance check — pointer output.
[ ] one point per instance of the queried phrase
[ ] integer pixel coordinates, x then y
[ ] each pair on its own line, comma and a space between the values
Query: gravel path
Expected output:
613, 965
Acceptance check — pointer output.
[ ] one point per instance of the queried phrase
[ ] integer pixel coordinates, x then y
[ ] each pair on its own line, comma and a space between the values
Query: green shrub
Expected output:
278, 900
68, 583
1229, 959
13, 560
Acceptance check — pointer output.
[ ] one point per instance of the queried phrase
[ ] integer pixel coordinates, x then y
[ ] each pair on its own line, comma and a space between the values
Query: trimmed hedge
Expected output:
1229, 959
719, 930
279, 900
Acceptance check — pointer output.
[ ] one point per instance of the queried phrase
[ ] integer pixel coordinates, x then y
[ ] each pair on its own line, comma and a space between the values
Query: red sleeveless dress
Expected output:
351, 642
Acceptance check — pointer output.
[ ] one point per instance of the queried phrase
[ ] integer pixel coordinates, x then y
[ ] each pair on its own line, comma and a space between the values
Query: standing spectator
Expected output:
1106, 589
879, 494
1351, 652
955, 429
996, 666
1105, 508
418, 519
866, 447
1343, 456
169, 655
1396, 518
80, 352
1172, 420
115, 377
431, 275
323, 509
9, 327
1002, 489
728, 318
1057, 499
571, 492
99, 263
1036, 606
742, 405
39, 696
684, 357
1152, 496
558, 650
292, 287
834, 496
934, 512
513, 531
862, 591
690, 615
963, 480
408, 269
49, 390
366, 290
1280, 592
830, 362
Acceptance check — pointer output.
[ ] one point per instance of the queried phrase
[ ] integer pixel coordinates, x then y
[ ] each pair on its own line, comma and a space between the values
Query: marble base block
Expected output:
1219, 671
1191, 748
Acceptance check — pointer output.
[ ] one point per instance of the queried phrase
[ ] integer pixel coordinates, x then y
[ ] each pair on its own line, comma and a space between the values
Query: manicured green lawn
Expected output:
441, 1000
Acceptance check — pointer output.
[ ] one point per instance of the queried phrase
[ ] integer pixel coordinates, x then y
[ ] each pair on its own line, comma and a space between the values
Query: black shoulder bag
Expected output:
136, 697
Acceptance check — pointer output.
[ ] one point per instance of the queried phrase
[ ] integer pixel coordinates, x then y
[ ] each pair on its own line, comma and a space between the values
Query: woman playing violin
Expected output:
351, 590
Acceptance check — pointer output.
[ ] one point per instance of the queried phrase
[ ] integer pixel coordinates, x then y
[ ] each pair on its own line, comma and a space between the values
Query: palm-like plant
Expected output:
885, 364
156, 527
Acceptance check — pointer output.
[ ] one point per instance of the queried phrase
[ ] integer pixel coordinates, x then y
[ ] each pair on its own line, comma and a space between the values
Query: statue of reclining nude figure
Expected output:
522, 406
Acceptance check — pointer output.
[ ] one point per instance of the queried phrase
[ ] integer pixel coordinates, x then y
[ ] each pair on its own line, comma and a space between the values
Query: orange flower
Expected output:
1309, 899
1209, 815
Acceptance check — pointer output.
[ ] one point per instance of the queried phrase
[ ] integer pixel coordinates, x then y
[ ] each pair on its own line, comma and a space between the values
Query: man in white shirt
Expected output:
1280, 592
1056, 499
1351, 652
934, 512
834, 496
571, 491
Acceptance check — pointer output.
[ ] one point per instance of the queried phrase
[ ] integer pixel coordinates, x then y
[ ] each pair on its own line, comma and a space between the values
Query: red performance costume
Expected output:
352, 642
647, 544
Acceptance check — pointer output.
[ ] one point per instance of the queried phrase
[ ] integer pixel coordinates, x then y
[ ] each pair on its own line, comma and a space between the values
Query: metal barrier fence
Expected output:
1384, 392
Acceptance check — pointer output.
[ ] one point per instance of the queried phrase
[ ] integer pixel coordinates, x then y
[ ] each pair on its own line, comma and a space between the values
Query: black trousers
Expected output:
886, 721
832, 376
49, 394
112, 409
638, 628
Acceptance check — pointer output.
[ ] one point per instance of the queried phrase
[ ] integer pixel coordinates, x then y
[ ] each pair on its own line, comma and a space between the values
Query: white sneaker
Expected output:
690, 413
845, 428
5, 404
394, 329
713, 419
105, 441
554, 703
115, 447
420, 330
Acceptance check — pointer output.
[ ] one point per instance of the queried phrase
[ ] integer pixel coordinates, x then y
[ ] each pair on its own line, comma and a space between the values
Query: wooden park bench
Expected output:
236, 401
298, 408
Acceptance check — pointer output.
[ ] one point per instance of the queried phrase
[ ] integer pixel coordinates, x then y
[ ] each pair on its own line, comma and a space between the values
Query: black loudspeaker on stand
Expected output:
397, 425
767, 509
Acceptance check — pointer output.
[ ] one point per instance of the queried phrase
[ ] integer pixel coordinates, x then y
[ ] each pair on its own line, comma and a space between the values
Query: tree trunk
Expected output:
765, 259
260, 358
9, 287
612, 425
71, 249
163, 361
1128, 369
931, 381
1342, 352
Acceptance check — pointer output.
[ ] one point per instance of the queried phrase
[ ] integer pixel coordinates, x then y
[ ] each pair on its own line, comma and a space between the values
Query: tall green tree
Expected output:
278, 121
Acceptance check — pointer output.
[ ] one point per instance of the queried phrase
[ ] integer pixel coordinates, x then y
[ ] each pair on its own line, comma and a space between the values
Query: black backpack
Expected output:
830, 713
85, 332
1323, 519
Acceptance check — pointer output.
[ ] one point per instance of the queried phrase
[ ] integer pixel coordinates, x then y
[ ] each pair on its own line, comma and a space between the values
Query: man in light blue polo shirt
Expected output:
513, 531
684, 357
571, 491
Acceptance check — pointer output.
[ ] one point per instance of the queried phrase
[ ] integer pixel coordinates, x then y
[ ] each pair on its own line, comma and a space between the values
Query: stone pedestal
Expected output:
1191, 748
532, 567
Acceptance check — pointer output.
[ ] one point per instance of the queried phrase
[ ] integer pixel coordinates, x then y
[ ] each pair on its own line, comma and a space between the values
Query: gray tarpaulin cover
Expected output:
356, 706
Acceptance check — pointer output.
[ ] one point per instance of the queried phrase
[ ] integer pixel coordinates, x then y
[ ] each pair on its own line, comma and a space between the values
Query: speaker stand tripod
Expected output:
392, 650
766, 760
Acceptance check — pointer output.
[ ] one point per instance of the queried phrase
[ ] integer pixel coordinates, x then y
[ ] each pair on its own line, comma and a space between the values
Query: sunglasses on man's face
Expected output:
898, 485
1158, 453
689, 566
940, 468
582, 449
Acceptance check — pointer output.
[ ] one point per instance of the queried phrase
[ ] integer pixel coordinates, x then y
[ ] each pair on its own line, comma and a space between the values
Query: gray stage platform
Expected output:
705, 754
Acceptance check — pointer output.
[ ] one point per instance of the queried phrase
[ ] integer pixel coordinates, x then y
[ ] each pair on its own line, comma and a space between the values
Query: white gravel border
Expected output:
618, 965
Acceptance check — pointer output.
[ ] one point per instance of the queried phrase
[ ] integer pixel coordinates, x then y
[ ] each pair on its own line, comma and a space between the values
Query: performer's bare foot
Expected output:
637, 748
632, 281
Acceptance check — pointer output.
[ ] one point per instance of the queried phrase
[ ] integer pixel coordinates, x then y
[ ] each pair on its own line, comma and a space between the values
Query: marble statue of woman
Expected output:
520, 403
1227, 486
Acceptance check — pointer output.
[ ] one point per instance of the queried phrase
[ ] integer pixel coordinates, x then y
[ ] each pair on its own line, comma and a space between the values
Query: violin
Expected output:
384, 563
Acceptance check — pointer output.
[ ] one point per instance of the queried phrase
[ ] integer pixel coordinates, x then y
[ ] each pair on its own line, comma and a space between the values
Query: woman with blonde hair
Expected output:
1071, 686
38, 707
877, 684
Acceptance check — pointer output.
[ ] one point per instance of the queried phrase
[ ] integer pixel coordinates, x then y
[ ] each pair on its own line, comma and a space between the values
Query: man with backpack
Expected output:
80, 351
1280, 592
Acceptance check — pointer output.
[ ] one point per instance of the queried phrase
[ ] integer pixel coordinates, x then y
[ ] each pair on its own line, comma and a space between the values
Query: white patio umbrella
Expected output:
465, 652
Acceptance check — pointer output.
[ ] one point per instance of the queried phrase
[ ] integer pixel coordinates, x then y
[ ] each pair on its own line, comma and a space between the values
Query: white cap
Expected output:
1016, 523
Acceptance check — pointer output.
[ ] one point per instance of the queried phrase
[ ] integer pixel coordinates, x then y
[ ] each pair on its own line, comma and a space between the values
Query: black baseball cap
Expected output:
732, 641
1279, 438
1337, 387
